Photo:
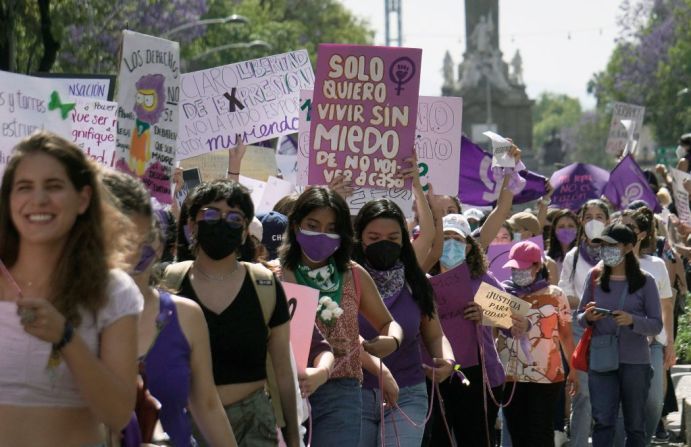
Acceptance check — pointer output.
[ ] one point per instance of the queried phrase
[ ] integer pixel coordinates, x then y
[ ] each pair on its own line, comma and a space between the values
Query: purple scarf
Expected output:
389, 282
583, 252
521, 292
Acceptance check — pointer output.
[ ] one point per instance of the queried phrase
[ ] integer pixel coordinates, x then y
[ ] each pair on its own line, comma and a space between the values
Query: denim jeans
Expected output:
336, 413
398, 431
581, 416
628, 387
653, 408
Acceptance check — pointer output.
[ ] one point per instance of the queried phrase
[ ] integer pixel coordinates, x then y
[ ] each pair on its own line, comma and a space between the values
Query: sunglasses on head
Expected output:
213, 215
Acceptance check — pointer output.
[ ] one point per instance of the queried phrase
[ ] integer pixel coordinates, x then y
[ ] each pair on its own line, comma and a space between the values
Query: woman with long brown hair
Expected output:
69, 318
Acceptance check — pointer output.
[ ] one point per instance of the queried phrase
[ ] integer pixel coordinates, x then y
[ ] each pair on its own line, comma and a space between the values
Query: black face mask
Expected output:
218, 240
382, 255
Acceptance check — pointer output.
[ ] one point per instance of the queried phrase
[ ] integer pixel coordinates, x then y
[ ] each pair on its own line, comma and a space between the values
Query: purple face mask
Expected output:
147, 256
566, 235
317, 246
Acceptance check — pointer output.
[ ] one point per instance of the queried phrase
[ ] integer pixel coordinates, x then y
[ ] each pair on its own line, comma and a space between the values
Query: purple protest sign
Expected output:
577, 183
477, 185
364, 114
451, 293
498, 255
627, 183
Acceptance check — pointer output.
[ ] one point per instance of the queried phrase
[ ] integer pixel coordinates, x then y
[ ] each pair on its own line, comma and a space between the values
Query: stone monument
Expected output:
494, 97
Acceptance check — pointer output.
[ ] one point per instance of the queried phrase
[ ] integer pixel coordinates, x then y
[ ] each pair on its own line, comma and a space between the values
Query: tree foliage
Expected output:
552, 113
651, 65
82, 36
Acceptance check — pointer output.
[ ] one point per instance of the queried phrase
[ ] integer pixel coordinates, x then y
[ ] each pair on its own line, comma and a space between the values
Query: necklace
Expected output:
215, 277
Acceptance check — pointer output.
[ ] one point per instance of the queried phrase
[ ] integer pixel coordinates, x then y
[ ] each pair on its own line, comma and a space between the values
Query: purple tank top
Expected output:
406, 363
168, 374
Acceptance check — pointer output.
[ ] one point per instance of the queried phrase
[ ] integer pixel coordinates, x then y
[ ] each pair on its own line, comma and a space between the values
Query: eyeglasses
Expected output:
213, 215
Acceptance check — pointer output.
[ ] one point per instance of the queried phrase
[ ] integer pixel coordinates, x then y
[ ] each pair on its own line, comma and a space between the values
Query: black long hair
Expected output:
423, 294
555, 252
645, 221
634, 276
290, 253
581, 228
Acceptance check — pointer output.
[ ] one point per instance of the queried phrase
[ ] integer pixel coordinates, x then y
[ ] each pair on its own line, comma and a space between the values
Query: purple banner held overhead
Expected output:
627, 183
364, 114
577, 183
477, 185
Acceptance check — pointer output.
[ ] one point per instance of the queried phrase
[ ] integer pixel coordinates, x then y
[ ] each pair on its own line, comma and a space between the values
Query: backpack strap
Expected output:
174, 274
264, 284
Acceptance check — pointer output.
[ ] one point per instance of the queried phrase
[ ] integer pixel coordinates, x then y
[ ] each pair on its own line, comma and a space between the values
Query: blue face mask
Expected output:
453, 253
517, 237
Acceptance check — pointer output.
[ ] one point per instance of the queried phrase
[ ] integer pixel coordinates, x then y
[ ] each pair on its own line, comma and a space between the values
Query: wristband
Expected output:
232, 173
67, 335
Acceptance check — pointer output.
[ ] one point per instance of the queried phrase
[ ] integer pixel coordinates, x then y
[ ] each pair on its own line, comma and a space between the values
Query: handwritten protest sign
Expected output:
681, 196
625, 127
498, 255
438, 142
84, 86
94, 124
286, 158
257, 99
451, 294
274, 191
302, 304
501, 150
498, 306
28, 104
255, 186
148, 92
365, 104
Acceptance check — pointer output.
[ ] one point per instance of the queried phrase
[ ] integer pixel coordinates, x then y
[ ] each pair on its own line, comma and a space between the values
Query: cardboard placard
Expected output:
364, 113
148, 92
257, 99
498, 306
302, 305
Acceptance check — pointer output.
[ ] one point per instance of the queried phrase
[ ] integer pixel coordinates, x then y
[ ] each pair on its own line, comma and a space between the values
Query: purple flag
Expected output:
477, 185
576, 184
627, 183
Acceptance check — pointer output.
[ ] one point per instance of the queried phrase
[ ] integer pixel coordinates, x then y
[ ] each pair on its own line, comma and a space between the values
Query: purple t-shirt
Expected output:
643, 305
453, 291
406, 363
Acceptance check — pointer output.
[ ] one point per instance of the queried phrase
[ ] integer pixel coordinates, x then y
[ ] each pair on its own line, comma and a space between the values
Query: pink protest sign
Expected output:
302, 304
363, 114
498, 255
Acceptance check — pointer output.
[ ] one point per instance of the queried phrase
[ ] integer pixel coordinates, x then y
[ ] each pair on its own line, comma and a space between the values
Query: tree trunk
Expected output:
50, 45
8, 34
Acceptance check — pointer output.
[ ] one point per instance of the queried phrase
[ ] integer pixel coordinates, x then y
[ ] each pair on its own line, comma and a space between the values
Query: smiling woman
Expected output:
68, 332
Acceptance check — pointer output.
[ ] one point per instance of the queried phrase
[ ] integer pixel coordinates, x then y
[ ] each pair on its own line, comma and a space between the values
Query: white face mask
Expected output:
681, 152
593, 229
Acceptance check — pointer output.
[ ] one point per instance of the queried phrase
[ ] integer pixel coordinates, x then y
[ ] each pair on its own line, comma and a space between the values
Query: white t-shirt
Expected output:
576, 286
656, 267
24, 380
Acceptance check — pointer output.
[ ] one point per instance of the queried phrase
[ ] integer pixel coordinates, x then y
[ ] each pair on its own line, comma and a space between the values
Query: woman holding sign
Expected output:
68, 318
316, 253
174, 353
623, 308
470, 410
384, 249
533, 361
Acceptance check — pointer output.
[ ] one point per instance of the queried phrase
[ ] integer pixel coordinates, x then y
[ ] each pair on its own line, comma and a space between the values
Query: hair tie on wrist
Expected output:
232, 173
